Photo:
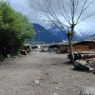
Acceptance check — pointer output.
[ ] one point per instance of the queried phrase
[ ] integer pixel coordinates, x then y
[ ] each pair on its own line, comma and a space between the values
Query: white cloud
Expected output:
36, 16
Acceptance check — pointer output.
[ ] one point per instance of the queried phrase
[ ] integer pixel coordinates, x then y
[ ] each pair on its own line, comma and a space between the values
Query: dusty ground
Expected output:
42, 74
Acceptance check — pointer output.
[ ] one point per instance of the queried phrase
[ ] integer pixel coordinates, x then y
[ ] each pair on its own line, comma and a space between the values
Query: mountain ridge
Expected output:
52, 35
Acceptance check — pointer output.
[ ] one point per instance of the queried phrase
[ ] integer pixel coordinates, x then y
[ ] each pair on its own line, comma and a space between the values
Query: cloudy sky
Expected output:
24, 7
36, 16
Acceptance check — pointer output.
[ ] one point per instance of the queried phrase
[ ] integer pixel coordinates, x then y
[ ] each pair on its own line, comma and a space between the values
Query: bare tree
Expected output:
66, 15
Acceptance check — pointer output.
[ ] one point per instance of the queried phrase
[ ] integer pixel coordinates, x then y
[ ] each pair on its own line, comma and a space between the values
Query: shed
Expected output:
85, 45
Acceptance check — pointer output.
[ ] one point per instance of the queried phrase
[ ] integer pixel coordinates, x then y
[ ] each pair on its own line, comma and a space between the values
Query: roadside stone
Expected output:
41, 84
56, 88
87, 91
55, 94
36, 82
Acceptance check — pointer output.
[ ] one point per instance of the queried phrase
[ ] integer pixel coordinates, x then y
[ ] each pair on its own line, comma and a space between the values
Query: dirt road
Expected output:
42, 74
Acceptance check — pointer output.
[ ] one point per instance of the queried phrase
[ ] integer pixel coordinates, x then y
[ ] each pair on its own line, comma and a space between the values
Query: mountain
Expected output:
43, 35
58, 33
62, 34
92, 37
51, 35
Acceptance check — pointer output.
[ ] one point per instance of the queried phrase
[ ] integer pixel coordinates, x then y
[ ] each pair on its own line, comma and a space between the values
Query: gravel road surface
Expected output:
42, 74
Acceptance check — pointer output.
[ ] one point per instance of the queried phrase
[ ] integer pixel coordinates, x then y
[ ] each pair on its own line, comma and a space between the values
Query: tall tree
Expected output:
14, 30
65, 14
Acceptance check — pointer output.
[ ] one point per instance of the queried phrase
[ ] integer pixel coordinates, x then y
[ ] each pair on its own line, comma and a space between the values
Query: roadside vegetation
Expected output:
14, 30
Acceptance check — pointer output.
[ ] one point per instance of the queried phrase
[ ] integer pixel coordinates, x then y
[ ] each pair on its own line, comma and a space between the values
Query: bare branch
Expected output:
84, 8
76, 5
55, 22
71, 14
65, 15
71, 17
53, 14
86, 18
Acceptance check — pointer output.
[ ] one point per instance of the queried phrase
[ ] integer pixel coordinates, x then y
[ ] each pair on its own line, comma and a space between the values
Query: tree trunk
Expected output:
70, 37
71, 48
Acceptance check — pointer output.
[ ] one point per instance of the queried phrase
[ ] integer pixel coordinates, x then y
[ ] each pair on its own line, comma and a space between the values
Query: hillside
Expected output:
52, 35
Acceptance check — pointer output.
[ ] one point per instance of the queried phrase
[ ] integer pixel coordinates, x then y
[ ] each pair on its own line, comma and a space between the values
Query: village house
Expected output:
86, 45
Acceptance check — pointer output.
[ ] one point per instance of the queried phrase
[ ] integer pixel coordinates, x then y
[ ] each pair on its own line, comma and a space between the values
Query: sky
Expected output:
24, 7
35, 15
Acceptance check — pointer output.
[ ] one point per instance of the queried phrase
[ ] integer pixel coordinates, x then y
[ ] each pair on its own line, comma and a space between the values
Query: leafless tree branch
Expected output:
84, 8
73, 14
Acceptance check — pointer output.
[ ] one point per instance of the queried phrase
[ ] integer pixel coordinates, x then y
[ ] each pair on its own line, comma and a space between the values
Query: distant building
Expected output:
84, 45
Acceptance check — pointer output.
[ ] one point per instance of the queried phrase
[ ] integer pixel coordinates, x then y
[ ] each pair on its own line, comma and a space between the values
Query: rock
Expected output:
82, 65
37, 82
55, 93
87, 91
41, 84
56, 88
